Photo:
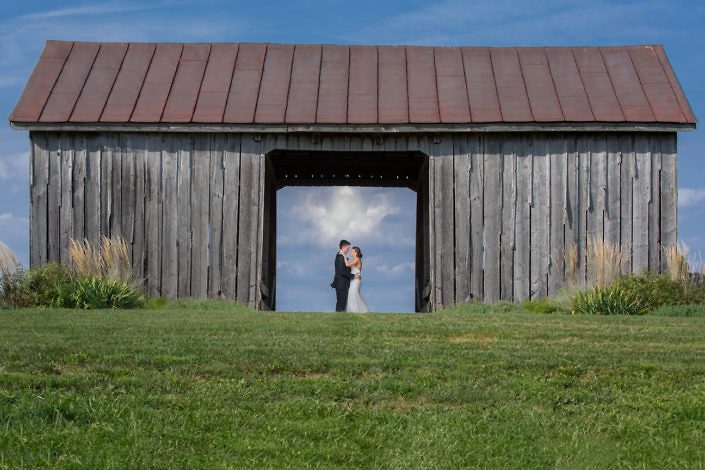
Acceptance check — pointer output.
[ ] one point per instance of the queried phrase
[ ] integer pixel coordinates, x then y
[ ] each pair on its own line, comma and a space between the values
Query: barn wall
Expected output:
198, 210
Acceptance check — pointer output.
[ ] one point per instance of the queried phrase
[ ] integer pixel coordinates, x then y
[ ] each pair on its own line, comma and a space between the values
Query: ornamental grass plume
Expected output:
8, 261
677, 265
605, 262
110, 260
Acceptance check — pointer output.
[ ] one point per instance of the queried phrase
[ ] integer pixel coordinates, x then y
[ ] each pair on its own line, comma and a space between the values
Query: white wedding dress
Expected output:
355, 301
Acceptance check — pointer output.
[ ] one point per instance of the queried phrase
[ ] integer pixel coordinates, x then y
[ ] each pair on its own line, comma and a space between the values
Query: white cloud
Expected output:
14, 232
395, 269
361, 215
95, 9
691, 197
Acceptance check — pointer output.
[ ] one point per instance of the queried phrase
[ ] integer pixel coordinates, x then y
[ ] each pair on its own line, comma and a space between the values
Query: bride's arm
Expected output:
348, 263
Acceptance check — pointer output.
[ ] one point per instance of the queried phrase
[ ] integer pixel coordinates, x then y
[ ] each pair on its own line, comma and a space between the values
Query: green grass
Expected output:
206, 384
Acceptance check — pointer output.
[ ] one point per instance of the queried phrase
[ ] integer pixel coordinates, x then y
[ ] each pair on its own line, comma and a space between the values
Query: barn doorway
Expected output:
338, 174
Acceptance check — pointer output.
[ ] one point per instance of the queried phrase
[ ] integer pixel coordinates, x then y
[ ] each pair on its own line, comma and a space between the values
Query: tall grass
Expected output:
107, 260
604, 263
8, 260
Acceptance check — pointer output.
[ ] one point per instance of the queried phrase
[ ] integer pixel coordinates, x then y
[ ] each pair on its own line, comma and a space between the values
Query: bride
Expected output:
355, 301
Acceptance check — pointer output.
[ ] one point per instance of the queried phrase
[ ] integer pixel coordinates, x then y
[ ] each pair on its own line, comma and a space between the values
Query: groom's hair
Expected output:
343, 243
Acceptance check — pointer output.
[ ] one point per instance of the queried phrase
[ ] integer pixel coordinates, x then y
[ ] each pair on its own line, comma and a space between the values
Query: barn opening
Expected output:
287, 170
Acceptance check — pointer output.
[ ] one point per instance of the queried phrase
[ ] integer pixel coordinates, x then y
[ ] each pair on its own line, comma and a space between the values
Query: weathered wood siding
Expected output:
199, 210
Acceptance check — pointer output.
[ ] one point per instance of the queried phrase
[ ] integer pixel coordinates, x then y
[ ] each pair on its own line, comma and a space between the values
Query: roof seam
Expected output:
609, 77
171, 85
435, 78
553, 81
230, 84
288, 88
465, 82
39, 116
259, 83
686, 112
112, 86
377, 64
85, 80
582, 83
347, 93
144, 80
318, 87
641, 84
523, 80
200, 84
406, 78
496, 88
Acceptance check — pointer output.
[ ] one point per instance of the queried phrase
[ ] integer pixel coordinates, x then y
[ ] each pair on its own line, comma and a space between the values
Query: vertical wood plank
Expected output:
106, 182
583, 149
628, 159
522, 252
78, 186
66, 218
231, 213
127, 198
169, 242
93, 188
39, 181
245, 221
444, 223
654, 206
509, 199
215, 217
200, 215
669, 193
598, 185
613, 193
184, 213
139, 146
573, 218
116, 205
540, 218
461, 179
54, 198
558, 152
153, 219
477, 244
642, 194
492, 216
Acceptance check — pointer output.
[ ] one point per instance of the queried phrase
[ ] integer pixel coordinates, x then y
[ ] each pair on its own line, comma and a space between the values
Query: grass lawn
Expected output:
212, 385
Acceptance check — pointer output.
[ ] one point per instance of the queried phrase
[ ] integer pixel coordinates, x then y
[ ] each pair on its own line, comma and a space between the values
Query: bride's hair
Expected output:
359, 253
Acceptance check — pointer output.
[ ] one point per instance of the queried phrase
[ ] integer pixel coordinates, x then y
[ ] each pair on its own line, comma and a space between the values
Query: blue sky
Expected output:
308, 217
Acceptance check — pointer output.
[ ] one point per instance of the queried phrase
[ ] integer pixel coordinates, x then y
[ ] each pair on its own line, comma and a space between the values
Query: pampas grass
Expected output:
108, 260
677, 265
8, 260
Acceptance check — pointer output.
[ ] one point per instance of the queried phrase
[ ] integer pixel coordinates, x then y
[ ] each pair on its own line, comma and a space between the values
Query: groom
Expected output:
342, 278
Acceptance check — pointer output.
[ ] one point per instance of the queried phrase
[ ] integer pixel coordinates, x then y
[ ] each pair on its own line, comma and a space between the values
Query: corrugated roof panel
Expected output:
539, 84
513, 100
421, 79
187, 82
70, 82
34, 96
128, 83
277, 83
245, 85
274, 89
333, 88
393, 104
213, 94
157, 83
303, 91
362, 99
626, 85
675, 85
598, 86
569, 86
452, 93
99, 83
658, 90
482, 92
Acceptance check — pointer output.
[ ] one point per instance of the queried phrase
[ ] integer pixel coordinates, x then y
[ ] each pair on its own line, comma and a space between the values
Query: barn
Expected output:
514, 153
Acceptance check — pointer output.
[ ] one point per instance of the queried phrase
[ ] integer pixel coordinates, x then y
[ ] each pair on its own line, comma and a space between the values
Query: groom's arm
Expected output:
340, 267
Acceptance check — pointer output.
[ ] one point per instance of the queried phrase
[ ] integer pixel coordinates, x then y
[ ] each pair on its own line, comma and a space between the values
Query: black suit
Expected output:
341, 282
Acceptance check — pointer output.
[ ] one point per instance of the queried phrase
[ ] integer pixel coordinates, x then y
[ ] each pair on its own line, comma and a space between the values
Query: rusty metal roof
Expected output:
83, 82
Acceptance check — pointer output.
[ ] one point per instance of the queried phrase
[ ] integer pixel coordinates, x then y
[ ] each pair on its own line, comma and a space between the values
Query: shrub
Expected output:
35, 287
610, 300
543, 305
96, 293
653, 290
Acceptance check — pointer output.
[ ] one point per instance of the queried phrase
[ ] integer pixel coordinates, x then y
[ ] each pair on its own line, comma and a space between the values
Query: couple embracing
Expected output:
347, 280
